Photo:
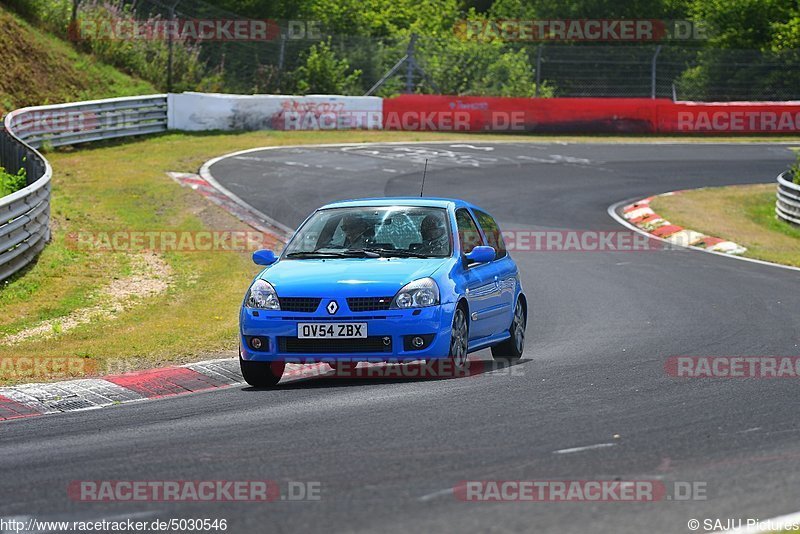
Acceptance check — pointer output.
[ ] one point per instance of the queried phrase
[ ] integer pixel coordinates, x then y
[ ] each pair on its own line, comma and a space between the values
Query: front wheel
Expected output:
261, 374
459, 340
511, 349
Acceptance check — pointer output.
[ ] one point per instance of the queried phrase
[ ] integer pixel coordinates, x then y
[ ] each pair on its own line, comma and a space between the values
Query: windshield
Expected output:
372, 232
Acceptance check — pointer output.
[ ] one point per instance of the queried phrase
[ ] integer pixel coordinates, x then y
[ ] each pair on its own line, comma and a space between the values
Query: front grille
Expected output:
299, 304
362, 304
333, 346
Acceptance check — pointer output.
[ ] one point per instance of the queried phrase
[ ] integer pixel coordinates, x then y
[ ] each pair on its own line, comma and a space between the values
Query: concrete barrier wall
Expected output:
209, 111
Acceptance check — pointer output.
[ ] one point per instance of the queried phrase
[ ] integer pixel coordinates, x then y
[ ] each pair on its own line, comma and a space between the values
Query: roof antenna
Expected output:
424, 172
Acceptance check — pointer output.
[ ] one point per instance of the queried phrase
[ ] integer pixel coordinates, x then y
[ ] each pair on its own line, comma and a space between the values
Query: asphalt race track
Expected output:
388, 452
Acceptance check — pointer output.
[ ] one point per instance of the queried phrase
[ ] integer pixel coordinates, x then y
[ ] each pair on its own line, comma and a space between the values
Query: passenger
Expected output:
435, 241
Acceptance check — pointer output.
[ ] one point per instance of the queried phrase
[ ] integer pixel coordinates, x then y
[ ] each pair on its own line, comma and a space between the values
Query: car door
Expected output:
481, 288
504, 272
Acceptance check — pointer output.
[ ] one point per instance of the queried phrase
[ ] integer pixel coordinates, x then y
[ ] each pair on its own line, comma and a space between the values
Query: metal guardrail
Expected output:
25, 214
787, 205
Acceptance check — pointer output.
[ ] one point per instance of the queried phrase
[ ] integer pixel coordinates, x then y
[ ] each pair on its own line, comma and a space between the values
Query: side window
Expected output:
494, 237
468, 233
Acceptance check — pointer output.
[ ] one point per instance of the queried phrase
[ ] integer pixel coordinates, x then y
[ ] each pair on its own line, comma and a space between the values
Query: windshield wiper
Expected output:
358, 253
395, 252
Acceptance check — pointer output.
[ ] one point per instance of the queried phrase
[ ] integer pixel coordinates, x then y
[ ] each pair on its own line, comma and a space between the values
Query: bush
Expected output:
12, 182
145, 58
324, 73
480, 68
53, 15
794, 171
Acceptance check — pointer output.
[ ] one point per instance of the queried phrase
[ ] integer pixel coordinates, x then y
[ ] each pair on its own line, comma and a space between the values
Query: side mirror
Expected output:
264, 257
481, 255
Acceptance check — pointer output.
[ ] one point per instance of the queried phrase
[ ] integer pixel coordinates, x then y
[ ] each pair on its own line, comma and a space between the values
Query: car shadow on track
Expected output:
323, 376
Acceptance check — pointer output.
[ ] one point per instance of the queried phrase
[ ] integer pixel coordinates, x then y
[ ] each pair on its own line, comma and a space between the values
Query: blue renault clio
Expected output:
383, 280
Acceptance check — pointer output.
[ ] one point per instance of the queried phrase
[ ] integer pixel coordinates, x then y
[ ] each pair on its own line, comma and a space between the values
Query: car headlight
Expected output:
417, 294
262, 295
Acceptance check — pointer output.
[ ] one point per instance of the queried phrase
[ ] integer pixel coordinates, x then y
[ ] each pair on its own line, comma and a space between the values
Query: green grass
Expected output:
743, 214
39, 69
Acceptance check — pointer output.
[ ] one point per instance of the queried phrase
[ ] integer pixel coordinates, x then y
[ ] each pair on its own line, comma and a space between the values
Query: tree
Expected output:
323, 73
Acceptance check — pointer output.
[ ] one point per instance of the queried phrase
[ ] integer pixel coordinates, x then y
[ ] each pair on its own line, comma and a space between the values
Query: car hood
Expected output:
368, 277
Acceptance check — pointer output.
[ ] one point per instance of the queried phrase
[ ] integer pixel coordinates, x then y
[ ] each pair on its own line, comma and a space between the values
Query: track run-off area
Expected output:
591, 399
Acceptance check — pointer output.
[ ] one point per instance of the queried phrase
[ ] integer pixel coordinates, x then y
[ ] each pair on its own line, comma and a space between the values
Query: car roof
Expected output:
423, 202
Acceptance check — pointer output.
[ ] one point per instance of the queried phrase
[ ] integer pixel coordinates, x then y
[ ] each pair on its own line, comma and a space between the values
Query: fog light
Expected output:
256, 343
417, 341
259, 343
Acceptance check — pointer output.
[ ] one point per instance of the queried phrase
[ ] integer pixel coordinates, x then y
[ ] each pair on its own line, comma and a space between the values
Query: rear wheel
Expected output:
261, 374
511, 349
459, 340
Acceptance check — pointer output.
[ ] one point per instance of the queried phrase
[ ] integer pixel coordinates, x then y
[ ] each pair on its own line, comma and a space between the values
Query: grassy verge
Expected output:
123, 186
42, 69
743, 214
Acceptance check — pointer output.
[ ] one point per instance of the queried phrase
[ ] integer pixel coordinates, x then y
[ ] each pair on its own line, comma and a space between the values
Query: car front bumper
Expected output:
278, 332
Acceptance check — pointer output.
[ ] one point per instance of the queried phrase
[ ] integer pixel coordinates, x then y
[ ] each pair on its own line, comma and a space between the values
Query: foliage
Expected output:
323, 73
147, 58
794, 170
11, 182
365, 38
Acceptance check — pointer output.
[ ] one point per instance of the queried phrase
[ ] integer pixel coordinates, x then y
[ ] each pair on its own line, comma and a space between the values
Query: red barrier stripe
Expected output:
586, 115
10, 409
164, 382
667, 230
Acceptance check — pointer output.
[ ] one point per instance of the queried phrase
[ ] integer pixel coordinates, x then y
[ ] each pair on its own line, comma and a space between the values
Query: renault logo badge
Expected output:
332, 307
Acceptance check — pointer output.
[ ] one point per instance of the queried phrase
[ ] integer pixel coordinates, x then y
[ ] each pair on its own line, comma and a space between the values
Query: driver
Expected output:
357, 232
434, 236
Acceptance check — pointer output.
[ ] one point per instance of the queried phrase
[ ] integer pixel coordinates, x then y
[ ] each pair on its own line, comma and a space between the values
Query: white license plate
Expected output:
331, 330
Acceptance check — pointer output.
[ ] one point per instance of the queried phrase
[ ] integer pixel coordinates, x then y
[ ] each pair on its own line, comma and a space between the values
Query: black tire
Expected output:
512, 348
262, 374
459, 340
